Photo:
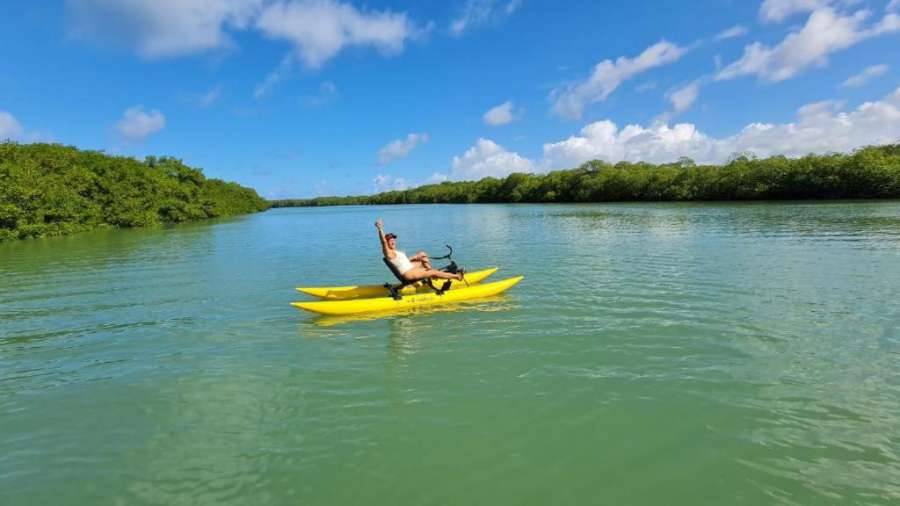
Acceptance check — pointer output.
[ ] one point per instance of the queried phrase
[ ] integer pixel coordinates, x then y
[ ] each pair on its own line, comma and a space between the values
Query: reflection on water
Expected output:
659, 354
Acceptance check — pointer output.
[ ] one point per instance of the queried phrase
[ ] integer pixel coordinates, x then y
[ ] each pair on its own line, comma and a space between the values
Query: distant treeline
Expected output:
872, 172
49, 189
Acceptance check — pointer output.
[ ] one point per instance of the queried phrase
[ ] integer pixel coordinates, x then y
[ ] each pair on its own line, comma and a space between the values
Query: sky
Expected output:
304, 98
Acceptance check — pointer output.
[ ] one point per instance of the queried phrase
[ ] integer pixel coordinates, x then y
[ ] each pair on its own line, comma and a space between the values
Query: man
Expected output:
411, 269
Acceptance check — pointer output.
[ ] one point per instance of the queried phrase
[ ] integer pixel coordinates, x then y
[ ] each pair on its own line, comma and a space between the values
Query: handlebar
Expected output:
447, 256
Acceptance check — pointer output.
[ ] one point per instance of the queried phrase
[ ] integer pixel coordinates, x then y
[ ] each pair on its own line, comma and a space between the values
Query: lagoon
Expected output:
654, 354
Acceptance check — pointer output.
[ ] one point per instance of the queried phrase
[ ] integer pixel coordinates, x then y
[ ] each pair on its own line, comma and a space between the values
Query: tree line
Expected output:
868, 173
50, 189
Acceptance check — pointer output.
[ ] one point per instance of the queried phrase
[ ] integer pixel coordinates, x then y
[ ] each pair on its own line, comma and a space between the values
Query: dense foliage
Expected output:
872, 172
49, 189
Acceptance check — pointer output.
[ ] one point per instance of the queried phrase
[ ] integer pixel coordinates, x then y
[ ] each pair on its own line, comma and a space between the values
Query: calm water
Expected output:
654, 354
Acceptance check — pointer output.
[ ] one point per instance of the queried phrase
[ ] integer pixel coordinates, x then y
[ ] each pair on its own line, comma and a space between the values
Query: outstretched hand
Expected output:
378, 224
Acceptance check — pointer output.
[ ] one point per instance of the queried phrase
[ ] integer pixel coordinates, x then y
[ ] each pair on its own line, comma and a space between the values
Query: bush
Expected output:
49, 189
872, 172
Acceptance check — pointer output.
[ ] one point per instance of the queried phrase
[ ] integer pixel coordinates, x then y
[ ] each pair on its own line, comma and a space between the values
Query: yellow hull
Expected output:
487, 304
356, 306
370, 291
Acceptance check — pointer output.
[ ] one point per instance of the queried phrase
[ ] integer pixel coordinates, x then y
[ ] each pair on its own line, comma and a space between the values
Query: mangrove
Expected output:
868, 173
50, 189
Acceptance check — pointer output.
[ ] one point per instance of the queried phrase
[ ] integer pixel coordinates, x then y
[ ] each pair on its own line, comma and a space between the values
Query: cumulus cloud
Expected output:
137, 123
487, 158
399, 148
479, 12
865, 76
161, 28
820, 127
731, 33
826, 31
570, 101
500, 115
319, 29
605, 141
10, 128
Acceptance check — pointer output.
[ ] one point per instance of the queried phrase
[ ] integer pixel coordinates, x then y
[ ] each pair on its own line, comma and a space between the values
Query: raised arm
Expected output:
384, 246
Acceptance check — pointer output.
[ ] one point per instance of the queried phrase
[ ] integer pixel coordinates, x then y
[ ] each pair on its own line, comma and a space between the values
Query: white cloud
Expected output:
570, 101
137, 124
500, 115
274, 78
778, 10
436, 178
734, 31
399, 148
684, 97
681, 99
487, 158
479, 12
319, 29
820, 127
386, 182
603, 140
825, 32
895, 4
327, 93
10, 128
210, 97
865, 76
161, 28
645, 87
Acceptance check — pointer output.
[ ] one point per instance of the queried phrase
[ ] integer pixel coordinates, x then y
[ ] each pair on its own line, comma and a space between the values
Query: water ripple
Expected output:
654, 353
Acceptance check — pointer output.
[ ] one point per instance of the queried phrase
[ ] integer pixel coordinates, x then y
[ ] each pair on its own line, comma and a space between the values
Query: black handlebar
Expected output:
448, 255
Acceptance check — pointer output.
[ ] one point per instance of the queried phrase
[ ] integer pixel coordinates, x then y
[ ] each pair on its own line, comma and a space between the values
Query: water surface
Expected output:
654, 354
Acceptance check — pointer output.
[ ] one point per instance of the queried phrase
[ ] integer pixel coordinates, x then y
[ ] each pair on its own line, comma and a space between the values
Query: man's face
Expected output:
392, 242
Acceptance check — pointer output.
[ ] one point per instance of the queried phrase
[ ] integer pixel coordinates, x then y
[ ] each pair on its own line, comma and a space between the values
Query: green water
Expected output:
654, 354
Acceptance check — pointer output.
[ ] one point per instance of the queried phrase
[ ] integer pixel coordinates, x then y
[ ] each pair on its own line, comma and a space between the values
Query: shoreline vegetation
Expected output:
868, 173
50, 189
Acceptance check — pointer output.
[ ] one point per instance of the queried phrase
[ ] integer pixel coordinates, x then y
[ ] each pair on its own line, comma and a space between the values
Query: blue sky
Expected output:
300, 98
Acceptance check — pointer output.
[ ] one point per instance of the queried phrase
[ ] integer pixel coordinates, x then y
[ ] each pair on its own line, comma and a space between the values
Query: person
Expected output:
413, 268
